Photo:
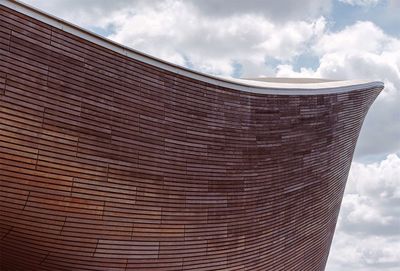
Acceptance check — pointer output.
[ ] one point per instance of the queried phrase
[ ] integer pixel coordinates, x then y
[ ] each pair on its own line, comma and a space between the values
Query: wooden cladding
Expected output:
107, 163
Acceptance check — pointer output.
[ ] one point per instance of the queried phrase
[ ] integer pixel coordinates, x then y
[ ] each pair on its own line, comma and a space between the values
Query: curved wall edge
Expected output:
238, 84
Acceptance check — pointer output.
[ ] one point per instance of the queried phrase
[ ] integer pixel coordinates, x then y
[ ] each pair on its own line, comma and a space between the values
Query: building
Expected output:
114, 160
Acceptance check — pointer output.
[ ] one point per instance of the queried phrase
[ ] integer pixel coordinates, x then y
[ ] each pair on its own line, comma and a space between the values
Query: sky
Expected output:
336, 39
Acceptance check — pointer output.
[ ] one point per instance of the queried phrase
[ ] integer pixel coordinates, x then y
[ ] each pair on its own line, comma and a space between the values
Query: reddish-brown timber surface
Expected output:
108, 163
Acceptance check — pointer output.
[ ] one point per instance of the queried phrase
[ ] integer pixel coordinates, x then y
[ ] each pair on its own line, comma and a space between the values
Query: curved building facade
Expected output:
114, 160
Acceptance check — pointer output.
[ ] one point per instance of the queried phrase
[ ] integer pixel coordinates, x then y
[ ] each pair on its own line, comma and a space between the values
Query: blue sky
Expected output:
338, 39
384, 14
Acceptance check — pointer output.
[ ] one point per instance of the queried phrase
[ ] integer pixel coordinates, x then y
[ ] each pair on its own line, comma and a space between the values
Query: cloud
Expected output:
368, 253
178, 32
364, 3
276, 11
368, 236
90, 12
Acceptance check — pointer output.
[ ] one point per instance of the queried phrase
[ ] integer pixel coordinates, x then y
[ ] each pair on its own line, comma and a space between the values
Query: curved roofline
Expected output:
254, 86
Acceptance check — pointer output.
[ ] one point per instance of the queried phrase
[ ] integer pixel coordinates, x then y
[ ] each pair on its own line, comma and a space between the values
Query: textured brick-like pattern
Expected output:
107, 163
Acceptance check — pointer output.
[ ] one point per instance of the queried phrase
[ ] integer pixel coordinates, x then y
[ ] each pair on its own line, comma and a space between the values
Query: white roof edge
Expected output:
260, 87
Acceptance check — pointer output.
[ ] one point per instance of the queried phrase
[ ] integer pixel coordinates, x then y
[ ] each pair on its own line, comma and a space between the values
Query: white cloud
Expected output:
367, 253
362, 36
178, 32
377, 179
363, 3
277, 11
368, 235
90, 12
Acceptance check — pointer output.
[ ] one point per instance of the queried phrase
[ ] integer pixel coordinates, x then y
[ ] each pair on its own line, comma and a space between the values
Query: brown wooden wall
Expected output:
107, 163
